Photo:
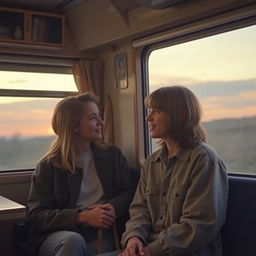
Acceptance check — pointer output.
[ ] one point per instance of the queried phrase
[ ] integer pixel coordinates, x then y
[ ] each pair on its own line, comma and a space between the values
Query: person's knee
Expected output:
73, 242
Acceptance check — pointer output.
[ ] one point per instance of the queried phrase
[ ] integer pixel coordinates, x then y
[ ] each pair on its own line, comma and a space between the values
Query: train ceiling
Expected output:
64, 5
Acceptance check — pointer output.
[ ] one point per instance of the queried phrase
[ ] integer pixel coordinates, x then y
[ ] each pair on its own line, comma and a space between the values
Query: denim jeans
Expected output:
68, 243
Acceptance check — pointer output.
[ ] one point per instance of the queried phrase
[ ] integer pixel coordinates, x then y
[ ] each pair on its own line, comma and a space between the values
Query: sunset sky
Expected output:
220, 70
30, 116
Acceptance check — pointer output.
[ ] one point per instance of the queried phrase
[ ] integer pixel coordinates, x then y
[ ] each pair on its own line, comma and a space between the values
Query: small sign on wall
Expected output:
121, 76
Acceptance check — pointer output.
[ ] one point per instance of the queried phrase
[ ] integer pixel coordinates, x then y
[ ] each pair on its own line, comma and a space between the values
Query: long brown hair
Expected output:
183, 111
66, 117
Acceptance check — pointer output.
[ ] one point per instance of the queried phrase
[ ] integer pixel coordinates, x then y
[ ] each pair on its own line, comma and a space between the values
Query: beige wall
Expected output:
96, 23
123, 101
15, 186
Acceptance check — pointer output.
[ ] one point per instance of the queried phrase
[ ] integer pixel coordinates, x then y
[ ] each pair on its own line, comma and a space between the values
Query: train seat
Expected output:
239, 230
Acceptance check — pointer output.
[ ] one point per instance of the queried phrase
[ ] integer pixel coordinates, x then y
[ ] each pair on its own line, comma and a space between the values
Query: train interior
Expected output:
106, 38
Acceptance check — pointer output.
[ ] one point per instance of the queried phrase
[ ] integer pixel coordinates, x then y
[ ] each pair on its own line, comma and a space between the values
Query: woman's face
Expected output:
157, 121
90, 125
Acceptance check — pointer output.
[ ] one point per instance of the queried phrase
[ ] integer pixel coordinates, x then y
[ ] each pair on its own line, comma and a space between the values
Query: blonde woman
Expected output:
180, 203
80, 185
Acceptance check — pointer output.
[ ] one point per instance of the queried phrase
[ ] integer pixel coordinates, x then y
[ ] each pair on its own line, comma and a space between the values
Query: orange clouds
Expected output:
232, 106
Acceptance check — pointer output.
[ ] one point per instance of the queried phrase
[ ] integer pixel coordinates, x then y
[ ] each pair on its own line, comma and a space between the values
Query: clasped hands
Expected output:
104, 216
99, 215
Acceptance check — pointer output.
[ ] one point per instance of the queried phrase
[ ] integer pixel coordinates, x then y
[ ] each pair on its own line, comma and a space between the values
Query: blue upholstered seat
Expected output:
239, 230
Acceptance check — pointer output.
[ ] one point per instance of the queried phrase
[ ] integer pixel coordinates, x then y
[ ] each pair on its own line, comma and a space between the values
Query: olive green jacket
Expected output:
180, 205
54, 193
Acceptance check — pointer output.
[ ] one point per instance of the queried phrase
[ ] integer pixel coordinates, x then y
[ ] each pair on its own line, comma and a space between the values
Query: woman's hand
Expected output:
100, 216
107, 206
135, 247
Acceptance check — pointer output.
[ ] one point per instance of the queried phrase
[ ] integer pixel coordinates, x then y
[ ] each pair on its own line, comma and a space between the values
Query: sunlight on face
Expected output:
50, 131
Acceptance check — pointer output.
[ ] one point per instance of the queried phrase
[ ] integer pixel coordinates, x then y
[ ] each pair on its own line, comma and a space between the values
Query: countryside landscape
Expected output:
233, 139
235, 142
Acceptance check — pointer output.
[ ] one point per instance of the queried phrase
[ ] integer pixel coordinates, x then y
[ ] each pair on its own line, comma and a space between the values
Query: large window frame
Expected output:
217, 24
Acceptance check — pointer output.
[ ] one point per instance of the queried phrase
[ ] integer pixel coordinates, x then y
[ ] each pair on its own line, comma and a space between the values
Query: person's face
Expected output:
157, 121
90, 125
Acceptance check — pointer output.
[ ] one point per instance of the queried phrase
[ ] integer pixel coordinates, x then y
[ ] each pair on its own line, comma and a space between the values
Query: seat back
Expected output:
239, 230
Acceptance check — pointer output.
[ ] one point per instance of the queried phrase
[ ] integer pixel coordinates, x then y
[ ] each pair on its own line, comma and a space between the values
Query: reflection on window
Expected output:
25, 126
220, 70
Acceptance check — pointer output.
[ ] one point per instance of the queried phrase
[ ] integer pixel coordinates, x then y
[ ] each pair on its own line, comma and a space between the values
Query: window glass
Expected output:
220, 70
37, 81
25, 126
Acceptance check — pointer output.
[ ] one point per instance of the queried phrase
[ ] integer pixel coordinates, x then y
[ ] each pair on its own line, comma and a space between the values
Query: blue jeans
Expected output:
68, 243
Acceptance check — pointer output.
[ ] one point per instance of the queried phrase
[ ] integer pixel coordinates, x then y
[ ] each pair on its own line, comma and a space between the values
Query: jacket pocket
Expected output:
178, 193
177, 196
152, 189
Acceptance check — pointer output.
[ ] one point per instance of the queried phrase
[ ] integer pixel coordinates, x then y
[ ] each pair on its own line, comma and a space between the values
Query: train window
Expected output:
220, 70
27, 101
37, 81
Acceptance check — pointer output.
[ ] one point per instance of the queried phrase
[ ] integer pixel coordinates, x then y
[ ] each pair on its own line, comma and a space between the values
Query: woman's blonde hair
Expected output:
66, 118
183, 113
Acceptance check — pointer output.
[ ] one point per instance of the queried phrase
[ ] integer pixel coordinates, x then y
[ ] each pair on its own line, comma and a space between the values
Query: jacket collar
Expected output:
161, 154
99, 152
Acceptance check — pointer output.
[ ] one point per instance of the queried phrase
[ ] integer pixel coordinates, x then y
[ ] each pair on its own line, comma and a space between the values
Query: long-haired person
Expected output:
79, 186
181, 200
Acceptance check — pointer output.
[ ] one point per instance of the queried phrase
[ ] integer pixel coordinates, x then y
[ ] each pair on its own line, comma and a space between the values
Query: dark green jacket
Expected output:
54, 192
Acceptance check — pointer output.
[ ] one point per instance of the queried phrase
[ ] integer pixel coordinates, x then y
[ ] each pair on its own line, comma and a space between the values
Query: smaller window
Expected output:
26, 110
37, 81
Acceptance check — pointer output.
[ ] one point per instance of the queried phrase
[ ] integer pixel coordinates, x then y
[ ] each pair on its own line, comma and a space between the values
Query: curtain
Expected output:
108, 121
88, 76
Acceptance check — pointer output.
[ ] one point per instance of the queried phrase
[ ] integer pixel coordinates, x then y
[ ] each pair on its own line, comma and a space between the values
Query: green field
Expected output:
235, 141
21, 153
